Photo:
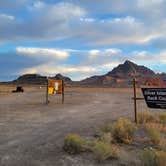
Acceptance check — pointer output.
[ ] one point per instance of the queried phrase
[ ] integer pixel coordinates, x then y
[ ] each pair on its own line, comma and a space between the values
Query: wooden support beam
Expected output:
135, 101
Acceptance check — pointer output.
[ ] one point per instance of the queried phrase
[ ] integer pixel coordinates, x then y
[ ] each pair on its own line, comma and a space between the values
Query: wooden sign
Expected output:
54, 87
155, 97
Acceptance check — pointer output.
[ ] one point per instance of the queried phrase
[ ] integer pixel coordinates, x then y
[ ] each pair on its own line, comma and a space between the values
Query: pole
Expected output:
63, 95
47, 92
135, 101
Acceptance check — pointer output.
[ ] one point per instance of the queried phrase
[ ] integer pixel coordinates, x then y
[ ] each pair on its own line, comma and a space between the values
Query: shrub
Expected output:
162, 117
147, 157
160, 158
145, 117
123, 130
103, 150
74, 144
154, 135
152, 157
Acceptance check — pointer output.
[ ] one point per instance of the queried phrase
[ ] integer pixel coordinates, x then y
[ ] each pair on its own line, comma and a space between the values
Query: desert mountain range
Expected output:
120, 76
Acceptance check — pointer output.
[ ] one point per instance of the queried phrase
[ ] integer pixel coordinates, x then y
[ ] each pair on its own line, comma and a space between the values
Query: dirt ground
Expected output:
32, 133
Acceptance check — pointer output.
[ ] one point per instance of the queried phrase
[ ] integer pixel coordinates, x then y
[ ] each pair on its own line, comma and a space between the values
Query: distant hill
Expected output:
38, 79
61, 77
130, 69
30, 79
120, 76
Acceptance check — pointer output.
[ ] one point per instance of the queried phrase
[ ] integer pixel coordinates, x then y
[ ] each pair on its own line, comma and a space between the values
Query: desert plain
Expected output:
32, 133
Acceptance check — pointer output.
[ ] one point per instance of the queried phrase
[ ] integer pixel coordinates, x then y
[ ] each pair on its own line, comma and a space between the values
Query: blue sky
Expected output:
80, 38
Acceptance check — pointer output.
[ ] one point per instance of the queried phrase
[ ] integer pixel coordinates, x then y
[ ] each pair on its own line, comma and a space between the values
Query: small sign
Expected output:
55, 86
50, 90
155, 97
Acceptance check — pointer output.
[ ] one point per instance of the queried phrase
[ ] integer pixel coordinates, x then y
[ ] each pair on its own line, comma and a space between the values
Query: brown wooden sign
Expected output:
54, 87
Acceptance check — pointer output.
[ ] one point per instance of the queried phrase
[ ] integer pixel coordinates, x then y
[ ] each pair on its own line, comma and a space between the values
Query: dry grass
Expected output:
146, 117
154, 135
147, 157
74, 144
160, 127
106, 137
162, 117
152, 157
123, 130
103, 151
160, 158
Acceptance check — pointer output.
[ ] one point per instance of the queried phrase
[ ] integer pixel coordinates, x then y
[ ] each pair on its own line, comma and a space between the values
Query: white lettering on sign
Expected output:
161, 93
152, 97
162, 98
149, 93
56, 85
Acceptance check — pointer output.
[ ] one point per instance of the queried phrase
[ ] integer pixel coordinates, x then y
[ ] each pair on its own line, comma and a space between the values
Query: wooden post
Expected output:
135, 101
63, 95
47, 92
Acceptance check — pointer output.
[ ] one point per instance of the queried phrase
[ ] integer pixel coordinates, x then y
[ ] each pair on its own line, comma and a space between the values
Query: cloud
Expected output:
52, 69
126, 30
6, 17
45, 22
77, 22
52, 54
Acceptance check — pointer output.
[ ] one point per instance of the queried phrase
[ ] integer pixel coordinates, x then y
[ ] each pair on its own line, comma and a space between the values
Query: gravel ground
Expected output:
32, 133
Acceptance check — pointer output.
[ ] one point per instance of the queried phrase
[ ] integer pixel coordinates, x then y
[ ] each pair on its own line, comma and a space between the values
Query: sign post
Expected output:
63, 94
135, 101
47, 92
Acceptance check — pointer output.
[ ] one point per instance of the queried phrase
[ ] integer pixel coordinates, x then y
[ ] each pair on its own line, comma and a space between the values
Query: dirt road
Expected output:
32, 133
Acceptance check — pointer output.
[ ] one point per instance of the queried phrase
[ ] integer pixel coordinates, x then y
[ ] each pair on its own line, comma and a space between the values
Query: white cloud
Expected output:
43, 53
94, 54
52, 69
46, 22
87, 20
6, 17
75, 20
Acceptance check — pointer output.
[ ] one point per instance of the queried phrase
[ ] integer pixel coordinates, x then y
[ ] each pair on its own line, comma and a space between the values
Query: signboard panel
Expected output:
155, 97
55, 86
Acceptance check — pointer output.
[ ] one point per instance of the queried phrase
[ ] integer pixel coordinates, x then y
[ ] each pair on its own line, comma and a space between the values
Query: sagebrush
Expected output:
123, 130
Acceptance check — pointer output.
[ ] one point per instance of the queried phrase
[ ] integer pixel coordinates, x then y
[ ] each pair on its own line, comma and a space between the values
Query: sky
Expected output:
80, 38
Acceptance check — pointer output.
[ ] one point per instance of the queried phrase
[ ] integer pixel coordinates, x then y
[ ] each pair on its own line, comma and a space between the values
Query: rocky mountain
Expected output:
120, 76
130, 69
61, 77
